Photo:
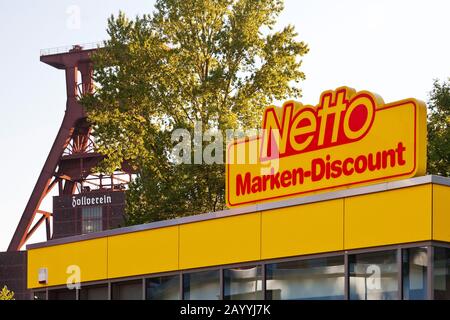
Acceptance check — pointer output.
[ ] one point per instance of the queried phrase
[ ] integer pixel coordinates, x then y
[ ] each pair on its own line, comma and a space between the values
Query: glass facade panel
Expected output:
62, 294
243, 283
91, 219
441, 273
163, 288
94, 292
39, 295
373, 276
129, 290
315, 279
204, 285
415, 265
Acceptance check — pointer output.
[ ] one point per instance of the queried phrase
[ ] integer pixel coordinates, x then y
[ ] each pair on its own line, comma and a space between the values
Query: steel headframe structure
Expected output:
72, 156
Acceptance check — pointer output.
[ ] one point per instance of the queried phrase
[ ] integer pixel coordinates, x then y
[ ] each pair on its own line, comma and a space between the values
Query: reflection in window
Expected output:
441, 273
62, 294
243, 283
415, 262
39, 295
129, 290
91, 219
99, 292
203, 285
321, 279
163, 288
374, 276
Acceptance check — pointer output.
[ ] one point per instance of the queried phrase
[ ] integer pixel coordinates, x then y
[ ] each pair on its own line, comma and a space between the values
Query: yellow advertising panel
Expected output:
350, 138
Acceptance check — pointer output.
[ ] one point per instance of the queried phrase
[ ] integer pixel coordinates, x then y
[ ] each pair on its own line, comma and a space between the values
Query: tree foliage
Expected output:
219, 62
6, 294
439, 129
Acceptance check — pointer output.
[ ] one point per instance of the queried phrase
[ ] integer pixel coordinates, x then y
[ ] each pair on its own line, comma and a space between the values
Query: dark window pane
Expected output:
129, 290
94, 292
91, 219
441, 273
243, 283
374, 276
415, 264
62, 294
163, 288
315, 279
39, 295
203, 285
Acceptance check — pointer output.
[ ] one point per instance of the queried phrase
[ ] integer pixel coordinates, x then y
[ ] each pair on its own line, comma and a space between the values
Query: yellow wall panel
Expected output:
220, 241
90, 256
382, 218
143, 252
396, 216
441, 213
304, 229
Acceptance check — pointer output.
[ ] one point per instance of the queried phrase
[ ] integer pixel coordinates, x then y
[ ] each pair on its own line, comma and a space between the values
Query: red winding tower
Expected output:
70, 161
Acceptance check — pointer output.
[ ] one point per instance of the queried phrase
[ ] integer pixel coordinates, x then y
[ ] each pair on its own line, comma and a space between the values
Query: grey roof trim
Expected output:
253, 208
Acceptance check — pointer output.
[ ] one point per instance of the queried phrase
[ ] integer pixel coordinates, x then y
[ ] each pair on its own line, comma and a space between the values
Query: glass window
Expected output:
374, 276
203, 285
39, 295
129, 290
62, 294
441, 273
414, 264
243, 283
315, 279
91, 219
94, 292
163, 288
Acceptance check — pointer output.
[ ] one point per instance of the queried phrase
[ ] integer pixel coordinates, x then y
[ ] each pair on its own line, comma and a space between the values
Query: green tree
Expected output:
6, 294
219, 62
439, 129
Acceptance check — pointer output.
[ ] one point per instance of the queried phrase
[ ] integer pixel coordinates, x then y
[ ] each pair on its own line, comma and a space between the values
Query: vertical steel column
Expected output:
400, 273
264, 284
181, 286
221, 284
109, 290
430, 273
346, 277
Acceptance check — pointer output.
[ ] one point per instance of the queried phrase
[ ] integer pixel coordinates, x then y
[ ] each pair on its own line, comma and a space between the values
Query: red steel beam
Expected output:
34, 228
45, 213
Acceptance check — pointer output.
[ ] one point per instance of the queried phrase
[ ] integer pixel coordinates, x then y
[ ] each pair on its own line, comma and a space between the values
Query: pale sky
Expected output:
394, 48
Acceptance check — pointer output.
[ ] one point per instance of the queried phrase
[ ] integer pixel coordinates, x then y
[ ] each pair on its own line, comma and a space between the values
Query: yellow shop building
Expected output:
343, 211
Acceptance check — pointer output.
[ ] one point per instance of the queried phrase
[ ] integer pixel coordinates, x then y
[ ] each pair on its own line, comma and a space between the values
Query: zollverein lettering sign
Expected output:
350, 138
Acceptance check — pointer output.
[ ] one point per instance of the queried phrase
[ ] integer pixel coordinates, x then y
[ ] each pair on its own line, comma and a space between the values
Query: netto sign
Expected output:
349, 138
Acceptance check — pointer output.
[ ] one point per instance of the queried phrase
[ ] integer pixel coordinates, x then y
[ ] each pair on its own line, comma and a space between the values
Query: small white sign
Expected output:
43, 275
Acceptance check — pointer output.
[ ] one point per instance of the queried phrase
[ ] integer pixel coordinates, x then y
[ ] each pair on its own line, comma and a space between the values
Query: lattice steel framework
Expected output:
72, 156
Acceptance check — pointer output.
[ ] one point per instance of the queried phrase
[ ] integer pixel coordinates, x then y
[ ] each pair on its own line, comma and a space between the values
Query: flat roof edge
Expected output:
385, 186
